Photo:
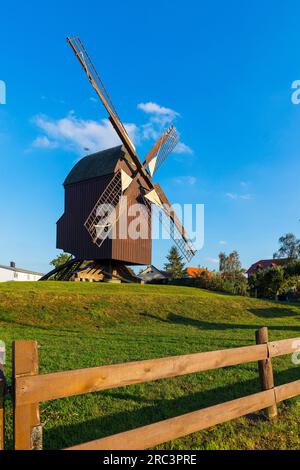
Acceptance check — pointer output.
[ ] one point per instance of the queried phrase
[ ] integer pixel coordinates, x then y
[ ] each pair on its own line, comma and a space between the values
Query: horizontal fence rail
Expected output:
173, 428
30, 389
76, 382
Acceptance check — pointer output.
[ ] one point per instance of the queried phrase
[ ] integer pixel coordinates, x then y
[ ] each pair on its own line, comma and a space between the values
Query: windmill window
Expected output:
15, 275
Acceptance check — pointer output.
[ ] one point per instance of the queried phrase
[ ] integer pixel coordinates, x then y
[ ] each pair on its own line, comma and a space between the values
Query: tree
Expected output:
222, 261
289, 247
230, 263
60, 259
175, 265
267, 282
290, 288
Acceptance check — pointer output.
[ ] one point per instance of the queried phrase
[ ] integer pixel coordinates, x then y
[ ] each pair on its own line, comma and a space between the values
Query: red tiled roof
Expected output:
267, 263
195, 272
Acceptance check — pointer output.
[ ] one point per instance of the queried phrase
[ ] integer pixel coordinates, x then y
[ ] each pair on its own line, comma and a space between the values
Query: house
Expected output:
196, 272
151, 273
12, 273
267, 263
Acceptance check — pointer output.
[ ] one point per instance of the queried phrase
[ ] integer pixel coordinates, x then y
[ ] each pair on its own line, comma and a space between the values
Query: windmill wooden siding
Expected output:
80, 198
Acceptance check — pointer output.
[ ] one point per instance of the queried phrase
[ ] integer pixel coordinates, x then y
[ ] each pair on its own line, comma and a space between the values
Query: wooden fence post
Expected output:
266, 371
27, 426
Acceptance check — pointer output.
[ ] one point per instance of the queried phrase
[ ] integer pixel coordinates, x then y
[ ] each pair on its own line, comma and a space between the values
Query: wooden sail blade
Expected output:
162, 149
153, 197
101, 91
126, 180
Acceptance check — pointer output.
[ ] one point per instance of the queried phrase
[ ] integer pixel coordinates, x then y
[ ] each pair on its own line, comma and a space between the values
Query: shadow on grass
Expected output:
151, 411
273, 312
204, 325
33, 326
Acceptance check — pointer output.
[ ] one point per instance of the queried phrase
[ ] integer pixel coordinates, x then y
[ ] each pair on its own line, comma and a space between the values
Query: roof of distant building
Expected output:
195, 272
153, 270
20, 270
268, 263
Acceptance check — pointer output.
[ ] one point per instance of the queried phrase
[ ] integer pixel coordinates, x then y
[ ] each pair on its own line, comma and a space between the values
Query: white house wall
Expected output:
9, 275
6, 275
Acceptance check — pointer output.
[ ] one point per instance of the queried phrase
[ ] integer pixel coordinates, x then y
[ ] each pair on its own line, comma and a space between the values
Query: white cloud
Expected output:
149, 131
235, 196
154, 108
223, 242
183, 180
160, 117
183, 148
133, 131
232, 195
78, 134
44, 142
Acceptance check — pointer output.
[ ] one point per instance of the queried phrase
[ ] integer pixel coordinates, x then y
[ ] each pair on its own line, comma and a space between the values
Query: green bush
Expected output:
277, 281
266, 283
290, 288
292, 269
230, 283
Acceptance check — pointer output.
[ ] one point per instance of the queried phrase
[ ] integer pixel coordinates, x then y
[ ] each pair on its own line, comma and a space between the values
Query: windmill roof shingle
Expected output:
95, 165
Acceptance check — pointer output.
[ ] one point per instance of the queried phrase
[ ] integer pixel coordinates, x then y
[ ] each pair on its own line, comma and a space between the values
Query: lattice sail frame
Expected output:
162, 149
166, 148
106, 211
182, 241
98, 85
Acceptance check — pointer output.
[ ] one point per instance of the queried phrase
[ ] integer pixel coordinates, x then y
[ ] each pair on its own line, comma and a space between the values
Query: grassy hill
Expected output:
84, 325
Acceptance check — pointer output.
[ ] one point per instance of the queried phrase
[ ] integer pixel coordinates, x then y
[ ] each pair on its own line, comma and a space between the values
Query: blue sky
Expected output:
226, 68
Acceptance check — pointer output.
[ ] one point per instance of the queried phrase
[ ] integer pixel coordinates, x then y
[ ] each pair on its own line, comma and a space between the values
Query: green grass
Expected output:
84, 325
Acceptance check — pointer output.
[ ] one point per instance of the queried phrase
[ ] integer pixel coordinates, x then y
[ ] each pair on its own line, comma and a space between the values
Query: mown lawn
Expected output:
84, 325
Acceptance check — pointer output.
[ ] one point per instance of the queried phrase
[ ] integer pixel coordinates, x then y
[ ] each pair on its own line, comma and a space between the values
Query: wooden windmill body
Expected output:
96, 189
91, 176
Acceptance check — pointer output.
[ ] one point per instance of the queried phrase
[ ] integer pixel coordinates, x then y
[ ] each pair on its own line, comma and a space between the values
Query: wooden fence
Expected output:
30, 389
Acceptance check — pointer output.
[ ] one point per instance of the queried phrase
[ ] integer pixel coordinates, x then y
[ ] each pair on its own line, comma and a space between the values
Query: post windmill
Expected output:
95, 191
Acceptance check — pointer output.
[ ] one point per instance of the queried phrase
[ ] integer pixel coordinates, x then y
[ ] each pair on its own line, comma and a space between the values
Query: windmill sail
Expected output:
162, 149
98, 85
170, 221
109, 207
103, 216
